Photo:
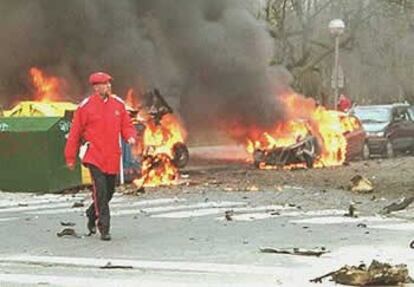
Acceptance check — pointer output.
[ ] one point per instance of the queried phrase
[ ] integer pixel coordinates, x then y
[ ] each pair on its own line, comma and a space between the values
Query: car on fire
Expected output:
389, 128
306, 150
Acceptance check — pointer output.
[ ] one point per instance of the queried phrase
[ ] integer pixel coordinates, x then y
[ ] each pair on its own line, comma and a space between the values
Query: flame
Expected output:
131, 100
305, 118
48, 88
158, 141
157, 170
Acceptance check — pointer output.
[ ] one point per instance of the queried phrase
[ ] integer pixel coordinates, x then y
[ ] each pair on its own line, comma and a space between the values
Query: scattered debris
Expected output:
403, 203
68, 232
377, 274
361, 184
228, 215
351, 211
109, 265
78, 204
296, 251
362, 225
67, 223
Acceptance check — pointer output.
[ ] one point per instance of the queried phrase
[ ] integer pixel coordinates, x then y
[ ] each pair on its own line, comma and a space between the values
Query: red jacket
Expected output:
102, 123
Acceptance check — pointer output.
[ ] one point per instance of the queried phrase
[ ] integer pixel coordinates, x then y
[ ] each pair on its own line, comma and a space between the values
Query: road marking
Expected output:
344, 219
163, 209
5, 219
266, 215
210, 211
182, 266
121, 205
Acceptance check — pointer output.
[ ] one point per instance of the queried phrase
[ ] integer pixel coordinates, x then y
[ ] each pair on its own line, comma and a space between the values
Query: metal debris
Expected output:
109, 265
296, 251
376, 274
351, 211
403, 203
78, 204
68, 232
361, 184
228, 215
67, 223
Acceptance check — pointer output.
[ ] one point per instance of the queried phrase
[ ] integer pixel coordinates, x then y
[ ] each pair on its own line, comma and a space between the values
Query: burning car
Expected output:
161, 150
313, 137
305, 151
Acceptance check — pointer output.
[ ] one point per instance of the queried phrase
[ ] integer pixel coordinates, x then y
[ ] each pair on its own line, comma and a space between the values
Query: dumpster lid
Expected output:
28, 124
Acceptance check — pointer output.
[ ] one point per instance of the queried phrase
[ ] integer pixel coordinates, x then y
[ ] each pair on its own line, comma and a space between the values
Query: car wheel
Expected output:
365, 152
181, 155
389, 149
259, 157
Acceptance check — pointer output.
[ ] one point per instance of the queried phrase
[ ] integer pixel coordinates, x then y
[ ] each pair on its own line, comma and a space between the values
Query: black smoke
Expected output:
210, 57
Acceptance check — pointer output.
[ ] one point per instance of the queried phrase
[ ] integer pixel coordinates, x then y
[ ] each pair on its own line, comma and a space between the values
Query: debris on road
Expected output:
109, 265
228, 215
351, 211
296, 251
68, 232
67, 223
403, 203
361, 184
377, 274
78, 204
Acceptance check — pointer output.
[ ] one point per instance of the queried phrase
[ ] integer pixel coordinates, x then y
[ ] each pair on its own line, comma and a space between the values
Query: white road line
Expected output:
36, 207
265, 215
210, 211
114, 207
5, 219
161, 209
343, 219
186, 266
405, 226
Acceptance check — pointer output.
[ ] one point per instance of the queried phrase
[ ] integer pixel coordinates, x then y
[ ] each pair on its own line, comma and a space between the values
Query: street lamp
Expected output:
336, 27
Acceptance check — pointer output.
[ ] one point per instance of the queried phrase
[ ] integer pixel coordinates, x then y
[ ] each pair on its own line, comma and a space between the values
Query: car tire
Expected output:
259, 157
389, 149
181, 155
366, 154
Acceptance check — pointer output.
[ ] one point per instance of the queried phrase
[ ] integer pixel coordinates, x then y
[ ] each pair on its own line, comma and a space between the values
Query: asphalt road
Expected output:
183, 239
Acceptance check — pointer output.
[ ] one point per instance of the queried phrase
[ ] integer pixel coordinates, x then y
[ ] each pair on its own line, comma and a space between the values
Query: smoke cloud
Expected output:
209, 57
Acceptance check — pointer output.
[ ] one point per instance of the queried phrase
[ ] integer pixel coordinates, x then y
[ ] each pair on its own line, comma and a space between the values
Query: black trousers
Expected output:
102, 191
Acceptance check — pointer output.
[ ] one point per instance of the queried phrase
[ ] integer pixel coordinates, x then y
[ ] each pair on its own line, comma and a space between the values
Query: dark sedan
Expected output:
389, 128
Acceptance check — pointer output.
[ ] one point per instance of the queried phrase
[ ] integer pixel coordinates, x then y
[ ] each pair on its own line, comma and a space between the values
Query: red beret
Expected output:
99, 78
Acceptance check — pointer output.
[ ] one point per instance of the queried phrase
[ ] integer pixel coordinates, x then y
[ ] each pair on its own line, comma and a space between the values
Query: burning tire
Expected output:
259, 157
181, 155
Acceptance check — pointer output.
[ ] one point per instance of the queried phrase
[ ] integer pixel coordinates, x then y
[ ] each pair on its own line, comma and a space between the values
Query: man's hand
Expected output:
71, 166
131, 141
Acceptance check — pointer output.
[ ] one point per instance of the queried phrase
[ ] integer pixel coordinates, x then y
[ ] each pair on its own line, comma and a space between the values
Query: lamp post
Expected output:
336, 27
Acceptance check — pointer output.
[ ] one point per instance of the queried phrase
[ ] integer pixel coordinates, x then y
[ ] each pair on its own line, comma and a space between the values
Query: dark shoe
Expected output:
106, 237
91, 226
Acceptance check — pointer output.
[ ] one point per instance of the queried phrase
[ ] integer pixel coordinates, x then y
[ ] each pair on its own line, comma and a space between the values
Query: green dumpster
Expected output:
32, 155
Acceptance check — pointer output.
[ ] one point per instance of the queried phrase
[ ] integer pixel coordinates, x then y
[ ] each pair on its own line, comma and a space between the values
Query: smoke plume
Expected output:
209, 57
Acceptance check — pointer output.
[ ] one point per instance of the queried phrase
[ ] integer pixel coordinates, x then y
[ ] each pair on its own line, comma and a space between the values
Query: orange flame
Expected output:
158, 142
329, 127
157, 170
48, 89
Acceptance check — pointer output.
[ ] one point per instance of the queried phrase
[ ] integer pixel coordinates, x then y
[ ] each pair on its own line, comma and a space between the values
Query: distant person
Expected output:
99, 122
344, 103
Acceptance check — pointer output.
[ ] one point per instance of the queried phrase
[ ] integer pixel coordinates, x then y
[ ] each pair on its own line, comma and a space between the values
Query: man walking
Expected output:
100, 122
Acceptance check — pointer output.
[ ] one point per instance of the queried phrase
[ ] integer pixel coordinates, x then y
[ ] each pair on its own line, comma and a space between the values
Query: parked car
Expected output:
389, 128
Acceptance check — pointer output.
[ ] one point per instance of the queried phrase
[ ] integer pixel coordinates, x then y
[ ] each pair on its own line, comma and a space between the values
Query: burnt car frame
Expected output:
389, 128
307, 150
